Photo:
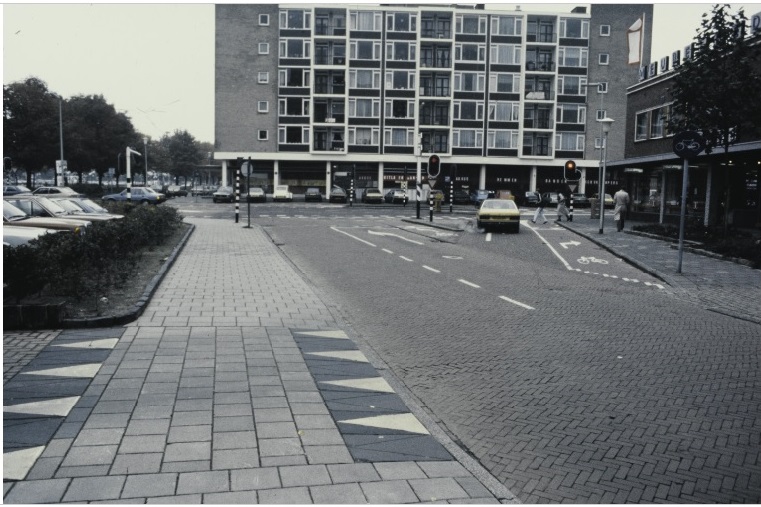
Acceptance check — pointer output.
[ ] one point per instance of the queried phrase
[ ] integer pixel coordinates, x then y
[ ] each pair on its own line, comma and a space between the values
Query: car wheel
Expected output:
479, 224
144, 202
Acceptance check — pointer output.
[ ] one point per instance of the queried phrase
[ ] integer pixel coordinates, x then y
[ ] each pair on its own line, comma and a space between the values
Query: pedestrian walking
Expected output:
621, 202
562, 210
544, 200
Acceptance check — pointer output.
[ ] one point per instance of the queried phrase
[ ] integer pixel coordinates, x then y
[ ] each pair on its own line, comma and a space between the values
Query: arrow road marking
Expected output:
572, 243
394, 235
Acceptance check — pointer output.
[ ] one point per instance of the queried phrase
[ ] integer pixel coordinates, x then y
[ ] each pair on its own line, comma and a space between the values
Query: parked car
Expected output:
16, 236
395, 196
338, 194
282, 193
372, 195
55, 190
461, 197
76, 210
14, 216
480, 195
89, 205
504, 194
15, 189
313, 194
41, 206
142, 195
580, 200
223, 194
256, 194
552, 197
608, 200
532, 198
499, 212
202, 190
176, 191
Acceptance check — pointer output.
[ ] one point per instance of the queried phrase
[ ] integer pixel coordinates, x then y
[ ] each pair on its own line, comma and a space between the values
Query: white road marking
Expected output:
527, 307
568, 266
469, 283
394, 235
354, 237
387, 250
488, 236
429, 268
572, 243
406, 258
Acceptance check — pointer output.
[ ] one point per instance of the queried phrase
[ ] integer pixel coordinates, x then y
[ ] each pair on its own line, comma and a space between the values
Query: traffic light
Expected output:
570, 172
434, 165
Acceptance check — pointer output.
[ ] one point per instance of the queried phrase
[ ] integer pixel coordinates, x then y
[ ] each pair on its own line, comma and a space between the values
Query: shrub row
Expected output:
76, 267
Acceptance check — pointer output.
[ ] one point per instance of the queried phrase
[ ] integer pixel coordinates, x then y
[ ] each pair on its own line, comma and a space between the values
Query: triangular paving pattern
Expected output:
106, 343
337, 334
368, 384
58, 407
77, 370
397, 422
349, 355
16, 464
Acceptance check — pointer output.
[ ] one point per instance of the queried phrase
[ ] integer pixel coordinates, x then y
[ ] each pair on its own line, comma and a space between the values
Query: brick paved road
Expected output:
604, 394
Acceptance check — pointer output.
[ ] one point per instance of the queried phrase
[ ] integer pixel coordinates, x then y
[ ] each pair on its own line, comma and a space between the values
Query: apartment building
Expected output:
312, 94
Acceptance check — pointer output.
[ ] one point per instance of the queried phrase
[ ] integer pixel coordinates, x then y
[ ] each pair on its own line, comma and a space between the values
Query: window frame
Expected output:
491, 139
603, 32
605, 57
457, 110
580, 141
266, 136
264, 20
263, 77
641, 131
478, 139
480, 50
264, 48
480, 81
262, 106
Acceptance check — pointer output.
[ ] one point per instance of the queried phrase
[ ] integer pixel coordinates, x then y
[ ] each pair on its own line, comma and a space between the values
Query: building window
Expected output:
470, 52
571, 113
294, 77
572, 57
462, 138
263, 77
469, 81
294, 134
503, 139
363, 135
401, 51
569, 141
264, 20
599, 143
470, 24
603, 88
400, 80
574, 28
401, 22
505, 54
640, 133
601, 114
263, 106
399, 137
364, 108
264, 48
506, 25
469, 110
399, 108
572, 85
364, 78
293, 106
604, 30
657, 122
505, 83
294, 48
504, 111
364, 50
263, 135
604, 58
367, 21
295, 19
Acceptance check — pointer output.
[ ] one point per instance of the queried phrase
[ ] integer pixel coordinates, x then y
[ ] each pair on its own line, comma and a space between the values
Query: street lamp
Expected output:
145, 150
60, 134
605, 124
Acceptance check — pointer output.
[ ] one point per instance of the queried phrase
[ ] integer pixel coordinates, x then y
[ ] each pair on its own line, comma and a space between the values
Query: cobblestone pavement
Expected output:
19, 348
236, 385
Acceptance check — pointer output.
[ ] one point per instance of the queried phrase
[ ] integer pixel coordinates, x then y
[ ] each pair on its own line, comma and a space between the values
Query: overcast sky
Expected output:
155, 62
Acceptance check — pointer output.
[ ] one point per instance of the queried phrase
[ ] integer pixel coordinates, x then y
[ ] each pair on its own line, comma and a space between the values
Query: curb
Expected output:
139, 307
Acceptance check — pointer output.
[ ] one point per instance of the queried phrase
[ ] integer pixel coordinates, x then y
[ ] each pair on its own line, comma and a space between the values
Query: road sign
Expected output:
688, 144
246, 167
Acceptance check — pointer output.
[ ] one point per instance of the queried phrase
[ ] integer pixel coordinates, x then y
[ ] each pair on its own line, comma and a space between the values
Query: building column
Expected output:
583, 181
708, 197
276, 174
663, 196
380, 176
482, 177
224, 172
532, 179
328, 186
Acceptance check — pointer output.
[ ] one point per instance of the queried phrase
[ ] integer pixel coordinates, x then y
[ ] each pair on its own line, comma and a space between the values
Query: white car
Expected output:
281, 193
15, 236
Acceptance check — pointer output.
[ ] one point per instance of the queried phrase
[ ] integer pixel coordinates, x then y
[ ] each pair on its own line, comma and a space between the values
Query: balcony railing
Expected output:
330, 90
437, 91
339, 30
434, 120
436, 63
333, 118
434, 33
540, 94
329, 60
540, 66
544, 123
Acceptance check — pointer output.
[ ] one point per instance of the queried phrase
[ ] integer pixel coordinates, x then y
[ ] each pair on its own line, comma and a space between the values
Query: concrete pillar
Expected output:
583, 181
708, 197
380, 176
482, 177
532, 179
328, 179
276, 174
224, 173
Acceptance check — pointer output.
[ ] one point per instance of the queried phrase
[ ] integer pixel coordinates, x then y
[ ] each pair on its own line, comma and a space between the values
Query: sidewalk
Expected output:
236, 385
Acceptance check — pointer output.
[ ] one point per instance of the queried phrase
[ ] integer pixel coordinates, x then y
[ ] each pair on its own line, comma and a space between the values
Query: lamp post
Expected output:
118, 167
145, 150
606, 124
60, 137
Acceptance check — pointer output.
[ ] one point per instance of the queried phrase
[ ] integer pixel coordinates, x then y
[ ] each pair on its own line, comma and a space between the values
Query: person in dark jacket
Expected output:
539, 213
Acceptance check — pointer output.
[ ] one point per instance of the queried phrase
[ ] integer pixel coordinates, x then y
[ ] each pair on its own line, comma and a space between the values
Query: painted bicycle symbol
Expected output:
688, 144
587, 260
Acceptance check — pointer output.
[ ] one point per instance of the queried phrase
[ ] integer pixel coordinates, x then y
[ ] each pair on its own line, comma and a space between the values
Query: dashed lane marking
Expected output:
524, 305
429, 268
406, 258
471, 284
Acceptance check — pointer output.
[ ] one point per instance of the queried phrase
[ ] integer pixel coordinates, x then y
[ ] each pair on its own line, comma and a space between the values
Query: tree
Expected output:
716, 92
30, 126
184, 154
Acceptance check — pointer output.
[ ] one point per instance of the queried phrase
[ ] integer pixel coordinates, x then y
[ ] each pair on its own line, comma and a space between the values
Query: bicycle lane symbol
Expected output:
587, 260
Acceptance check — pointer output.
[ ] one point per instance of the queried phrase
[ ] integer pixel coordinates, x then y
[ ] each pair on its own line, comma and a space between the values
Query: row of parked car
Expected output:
28, 215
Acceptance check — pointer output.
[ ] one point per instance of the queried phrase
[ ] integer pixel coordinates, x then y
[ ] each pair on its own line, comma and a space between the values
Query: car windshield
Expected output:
11, 212
89, 205
499, 204
69, 206
50, 206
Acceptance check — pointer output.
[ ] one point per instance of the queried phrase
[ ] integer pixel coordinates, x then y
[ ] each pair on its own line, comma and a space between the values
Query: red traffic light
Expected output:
570, 172
434, 166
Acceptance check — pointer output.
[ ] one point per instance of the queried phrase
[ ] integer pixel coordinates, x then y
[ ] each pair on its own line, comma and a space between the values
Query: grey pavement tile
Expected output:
267, 391
443, 469
280, 447
307, 475
82, 471
178, 499
90, 455
146, 485
281, 461
258, 402
476, 501
148, 427
353, 472
338, 494
188, 451
192, 393
310, 422
193, 405
137, 463
284, 429
231, 498
321, 437
35, 492
203, 482
165, 399
234, 440
287, 496
257, 478
234, 423
272, 415
473, 487
138, 444
309, 409
325, 454
234, 458
388, 492
57, 447
189, 434
196, 418
159, 388
305, 397
152, 412
69, 430
187, 466
44, 468
431, 490
237, 409
94, 488
197, 382
100, 436
399, 470
230, 398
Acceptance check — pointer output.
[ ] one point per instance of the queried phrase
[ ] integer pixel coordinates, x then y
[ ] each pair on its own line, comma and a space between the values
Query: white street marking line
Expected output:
429, 268
469, 283
568, 266
394, 235
406, 258
488, 236
455, 257
527, 307
354, 237
387, 250
572, 243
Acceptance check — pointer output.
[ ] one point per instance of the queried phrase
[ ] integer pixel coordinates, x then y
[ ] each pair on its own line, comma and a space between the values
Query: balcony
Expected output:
534, 66
434, 120
435, 91
436, 63
540, 95
329, 59
328, 29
